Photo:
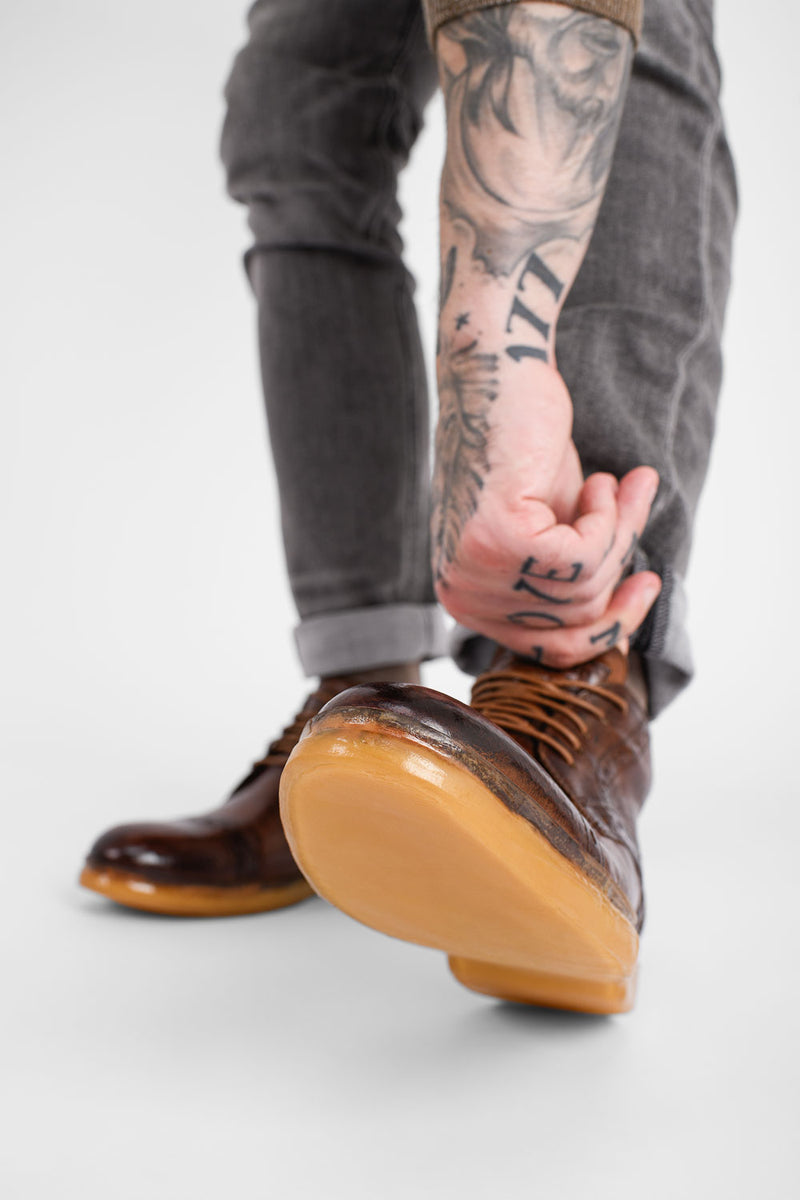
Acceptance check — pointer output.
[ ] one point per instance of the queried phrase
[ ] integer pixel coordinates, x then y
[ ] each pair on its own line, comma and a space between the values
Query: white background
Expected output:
147, 658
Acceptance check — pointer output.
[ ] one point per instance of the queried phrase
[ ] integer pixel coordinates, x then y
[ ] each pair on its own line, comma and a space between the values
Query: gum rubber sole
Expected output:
408, 841
191, 901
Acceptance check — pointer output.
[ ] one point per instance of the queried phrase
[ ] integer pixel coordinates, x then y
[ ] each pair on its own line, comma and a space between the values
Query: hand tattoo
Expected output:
530, 563
609, 636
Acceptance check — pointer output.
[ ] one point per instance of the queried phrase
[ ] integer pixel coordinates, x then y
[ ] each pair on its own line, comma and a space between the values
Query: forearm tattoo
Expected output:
534, 95
467, 387
532, 122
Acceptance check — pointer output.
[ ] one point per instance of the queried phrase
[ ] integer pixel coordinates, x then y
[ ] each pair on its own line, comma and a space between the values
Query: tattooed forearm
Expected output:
534, 94
448, 274
467, 387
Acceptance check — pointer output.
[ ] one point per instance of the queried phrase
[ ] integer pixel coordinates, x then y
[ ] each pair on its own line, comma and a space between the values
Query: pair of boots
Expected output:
503, 832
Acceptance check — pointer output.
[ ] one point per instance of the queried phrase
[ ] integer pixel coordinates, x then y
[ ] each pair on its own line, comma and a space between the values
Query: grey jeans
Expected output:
324, 103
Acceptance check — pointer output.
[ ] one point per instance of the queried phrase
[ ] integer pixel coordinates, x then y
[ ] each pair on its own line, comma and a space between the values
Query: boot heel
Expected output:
525, 986
409, 841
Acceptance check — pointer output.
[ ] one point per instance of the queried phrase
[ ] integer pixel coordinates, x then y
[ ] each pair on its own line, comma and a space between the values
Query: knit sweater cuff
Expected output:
627, 13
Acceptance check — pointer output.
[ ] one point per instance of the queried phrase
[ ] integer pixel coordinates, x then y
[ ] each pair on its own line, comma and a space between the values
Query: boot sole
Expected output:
407, 840
174, 900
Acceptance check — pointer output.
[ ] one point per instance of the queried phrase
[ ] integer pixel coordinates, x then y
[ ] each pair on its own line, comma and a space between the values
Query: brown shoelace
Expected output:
279, 750
542, 708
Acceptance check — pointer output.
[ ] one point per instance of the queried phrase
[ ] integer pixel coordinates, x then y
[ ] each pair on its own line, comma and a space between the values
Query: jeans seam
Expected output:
391, 105
652, 634
704, 316
656, 635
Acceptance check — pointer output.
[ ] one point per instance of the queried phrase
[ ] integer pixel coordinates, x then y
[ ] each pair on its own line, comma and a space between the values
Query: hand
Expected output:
550, 590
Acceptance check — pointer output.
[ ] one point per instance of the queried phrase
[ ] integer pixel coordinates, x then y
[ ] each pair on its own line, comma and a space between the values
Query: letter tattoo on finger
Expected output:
610, 635
521, 618
552, 574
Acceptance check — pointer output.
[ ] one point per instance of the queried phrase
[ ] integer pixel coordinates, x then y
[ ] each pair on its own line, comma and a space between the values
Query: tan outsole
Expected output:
175, 901
406, 840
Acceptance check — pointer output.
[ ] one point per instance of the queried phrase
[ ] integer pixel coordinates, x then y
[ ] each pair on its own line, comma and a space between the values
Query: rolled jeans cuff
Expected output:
359, 639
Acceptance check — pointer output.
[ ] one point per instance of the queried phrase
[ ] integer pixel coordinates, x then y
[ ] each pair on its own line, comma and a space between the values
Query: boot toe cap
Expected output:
160, 853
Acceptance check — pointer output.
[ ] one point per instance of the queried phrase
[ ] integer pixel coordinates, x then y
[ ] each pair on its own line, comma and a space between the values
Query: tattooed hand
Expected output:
525, 550
544, 568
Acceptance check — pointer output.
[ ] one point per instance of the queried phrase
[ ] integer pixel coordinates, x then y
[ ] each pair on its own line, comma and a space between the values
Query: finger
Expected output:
629, 606
569, 570
599, 492
596, 525
637, 491
563, 646
591, 553
634, 497
565, 553
553, 586
641, 481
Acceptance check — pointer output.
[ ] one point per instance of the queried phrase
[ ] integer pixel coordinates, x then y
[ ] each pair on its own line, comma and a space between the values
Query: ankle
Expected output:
407, 672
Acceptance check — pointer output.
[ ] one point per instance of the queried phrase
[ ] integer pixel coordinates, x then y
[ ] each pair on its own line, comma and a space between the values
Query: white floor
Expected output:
147, 658
146, 1056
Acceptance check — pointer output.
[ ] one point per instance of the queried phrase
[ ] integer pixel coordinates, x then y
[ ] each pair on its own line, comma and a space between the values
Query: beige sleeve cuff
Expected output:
625, 12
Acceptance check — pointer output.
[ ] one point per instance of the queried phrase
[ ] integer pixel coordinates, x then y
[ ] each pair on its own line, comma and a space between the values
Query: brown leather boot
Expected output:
502, 833
226, 862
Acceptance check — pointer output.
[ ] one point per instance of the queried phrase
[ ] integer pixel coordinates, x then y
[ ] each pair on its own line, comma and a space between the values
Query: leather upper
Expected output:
587, 807
240, 843
609, 777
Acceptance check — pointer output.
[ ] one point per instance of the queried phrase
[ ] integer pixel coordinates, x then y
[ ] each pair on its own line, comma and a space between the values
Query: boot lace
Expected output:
546, 709
279, 750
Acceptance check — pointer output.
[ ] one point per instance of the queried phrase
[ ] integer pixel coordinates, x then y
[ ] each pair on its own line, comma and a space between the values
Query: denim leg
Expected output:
638, 341
324, 103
